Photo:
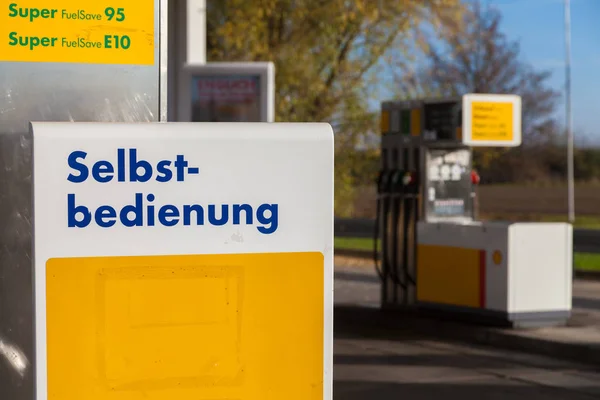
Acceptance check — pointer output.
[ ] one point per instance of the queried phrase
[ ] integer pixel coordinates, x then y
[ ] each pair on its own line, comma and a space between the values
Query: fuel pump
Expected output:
436, 256
408, 129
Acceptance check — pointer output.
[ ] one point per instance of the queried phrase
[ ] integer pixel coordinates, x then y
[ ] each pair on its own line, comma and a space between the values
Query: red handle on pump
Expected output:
409, 178
475, 177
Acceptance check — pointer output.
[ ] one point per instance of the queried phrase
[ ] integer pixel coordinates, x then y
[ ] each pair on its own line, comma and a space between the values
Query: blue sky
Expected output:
539, 26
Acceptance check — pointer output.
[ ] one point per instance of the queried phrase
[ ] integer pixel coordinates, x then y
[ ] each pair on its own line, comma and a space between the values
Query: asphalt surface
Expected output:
373, 364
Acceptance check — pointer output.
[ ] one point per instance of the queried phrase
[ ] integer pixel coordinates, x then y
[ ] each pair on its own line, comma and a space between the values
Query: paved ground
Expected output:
372, 368
378, 365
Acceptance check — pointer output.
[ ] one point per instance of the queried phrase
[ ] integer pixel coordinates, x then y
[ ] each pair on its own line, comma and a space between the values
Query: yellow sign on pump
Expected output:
415, 122
491, 120
72, 31
385, 121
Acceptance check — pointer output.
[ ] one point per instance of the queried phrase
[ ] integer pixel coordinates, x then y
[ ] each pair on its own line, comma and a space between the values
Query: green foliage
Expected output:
344, 188
542, 164
323, 49
353, 169
587, 164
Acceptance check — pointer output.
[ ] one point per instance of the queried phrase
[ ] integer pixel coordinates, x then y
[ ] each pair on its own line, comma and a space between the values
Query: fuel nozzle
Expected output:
409, 180
383, 181
396, 181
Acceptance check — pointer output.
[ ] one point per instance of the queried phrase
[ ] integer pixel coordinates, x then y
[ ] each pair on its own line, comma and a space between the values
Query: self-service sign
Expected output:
180, 261
491, 120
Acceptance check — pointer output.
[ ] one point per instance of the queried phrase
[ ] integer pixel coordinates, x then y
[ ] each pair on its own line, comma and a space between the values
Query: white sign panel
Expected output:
227, 92
491, 120
182, 260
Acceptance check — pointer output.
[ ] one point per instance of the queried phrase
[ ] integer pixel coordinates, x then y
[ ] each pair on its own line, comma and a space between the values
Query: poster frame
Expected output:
265, 71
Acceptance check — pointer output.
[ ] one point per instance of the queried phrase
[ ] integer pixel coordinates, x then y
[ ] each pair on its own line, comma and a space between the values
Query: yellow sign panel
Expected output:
449, 275
244, 326
415, 122
385, 121
491, 121
497, 257
72, 31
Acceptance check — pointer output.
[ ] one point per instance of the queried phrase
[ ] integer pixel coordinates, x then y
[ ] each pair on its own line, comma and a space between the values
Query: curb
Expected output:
368, 255
587, 275
362, 254
577, 352
396, 324
513, 340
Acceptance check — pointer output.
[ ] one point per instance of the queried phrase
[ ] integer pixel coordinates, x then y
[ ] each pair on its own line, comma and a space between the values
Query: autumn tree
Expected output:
323, 50
479, 58
326, 54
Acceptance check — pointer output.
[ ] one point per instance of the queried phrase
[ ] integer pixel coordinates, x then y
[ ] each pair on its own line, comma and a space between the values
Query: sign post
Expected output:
173, 261
63, 60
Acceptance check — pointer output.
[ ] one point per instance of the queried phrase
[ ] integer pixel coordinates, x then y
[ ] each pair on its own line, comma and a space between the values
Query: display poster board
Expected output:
226, 98
448, 184
227, 92
183, 261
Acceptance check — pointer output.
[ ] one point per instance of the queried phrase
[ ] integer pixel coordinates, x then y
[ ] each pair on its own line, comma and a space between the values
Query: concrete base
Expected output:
499, 318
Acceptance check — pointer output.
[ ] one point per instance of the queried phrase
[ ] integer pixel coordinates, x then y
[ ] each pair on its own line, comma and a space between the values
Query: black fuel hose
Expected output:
395, 220
376, 240
410, 214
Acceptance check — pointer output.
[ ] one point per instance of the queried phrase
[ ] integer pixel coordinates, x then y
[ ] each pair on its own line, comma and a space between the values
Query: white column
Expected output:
569, 116
196, 31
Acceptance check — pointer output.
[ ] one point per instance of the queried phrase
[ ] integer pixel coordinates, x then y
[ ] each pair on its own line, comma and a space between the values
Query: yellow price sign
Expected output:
99, 32
491, 120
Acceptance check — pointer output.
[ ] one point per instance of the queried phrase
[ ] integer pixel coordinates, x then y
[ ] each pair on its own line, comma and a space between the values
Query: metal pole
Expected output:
196, 31
569, 117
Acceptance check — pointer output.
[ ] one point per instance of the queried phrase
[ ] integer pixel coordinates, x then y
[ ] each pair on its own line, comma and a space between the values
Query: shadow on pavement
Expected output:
475, 389
423, 360
355, 322
394, 357
589, 304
